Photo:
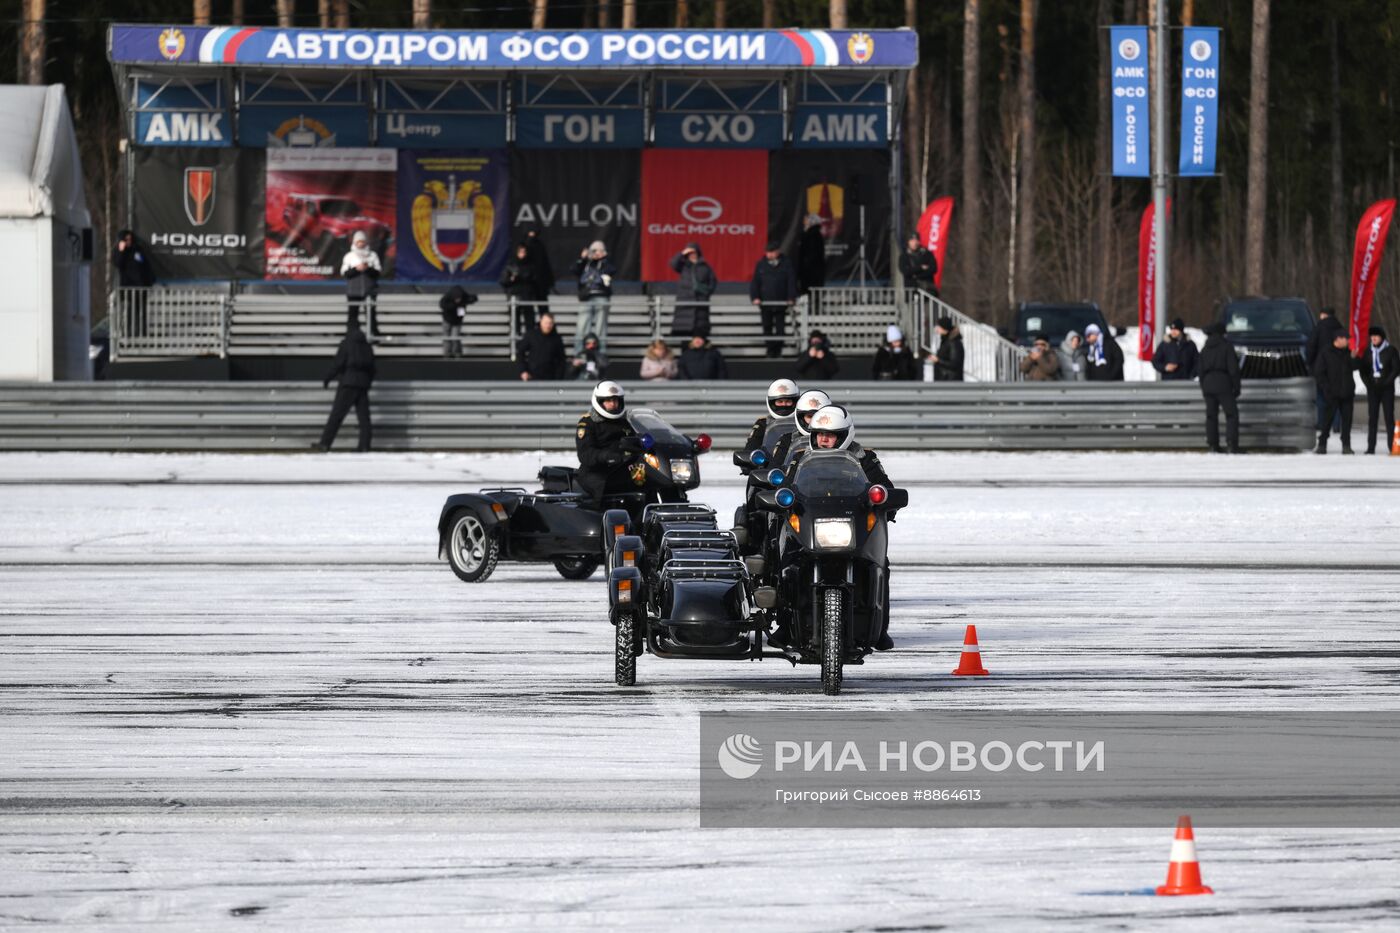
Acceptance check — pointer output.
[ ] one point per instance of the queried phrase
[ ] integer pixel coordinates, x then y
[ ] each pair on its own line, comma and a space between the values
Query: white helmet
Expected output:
812, 401
782, 389
605, 390
833, 419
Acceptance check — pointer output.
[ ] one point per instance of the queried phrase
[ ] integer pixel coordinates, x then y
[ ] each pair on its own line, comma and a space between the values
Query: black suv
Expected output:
1054, 320
1271, 335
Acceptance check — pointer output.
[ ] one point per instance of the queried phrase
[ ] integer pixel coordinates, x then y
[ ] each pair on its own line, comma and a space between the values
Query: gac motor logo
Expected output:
702, 209
172, 44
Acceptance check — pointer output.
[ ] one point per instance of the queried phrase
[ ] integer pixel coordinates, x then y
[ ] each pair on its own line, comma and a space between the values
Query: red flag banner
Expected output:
933, 232
1366, 267
1147, 280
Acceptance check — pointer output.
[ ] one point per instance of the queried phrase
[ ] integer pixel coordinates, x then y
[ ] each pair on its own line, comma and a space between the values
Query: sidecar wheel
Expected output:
624, 655
833, 636
576, 568
471, 550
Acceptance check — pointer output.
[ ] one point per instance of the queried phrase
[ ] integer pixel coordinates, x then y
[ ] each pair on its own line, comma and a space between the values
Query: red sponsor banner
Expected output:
717, 198
1147, 281
1366, 268
933, 232
318, 199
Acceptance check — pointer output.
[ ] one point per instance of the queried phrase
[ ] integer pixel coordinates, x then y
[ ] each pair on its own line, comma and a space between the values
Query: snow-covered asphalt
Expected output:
241, 690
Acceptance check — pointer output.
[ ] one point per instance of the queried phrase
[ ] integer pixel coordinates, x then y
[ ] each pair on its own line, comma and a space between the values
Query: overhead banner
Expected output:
303, 126
577, 196
717, 199
933, 232
441, 114
1128, 83
703, 113
1200, 94
181, 112
562, 112
454, 214
1366, 268
1147, 280
553, 50
834, 184
317, 199
840, 114
200, 212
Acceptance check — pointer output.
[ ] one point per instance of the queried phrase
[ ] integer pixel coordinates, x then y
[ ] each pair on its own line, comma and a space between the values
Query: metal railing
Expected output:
987, 355
853, 318
163, 321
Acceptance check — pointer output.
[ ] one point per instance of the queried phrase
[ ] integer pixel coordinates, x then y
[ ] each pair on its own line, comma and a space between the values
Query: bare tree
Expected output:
604, 14
838, 14
238, 12
913, 122
34, 44
342, 13
1336, 225
323, 13
721, 13
971, 226
1188, 12
770, 13
1255, 198
629, 14
682, 14
537, 17
286, 13
422, 14
201, 12
1025, 101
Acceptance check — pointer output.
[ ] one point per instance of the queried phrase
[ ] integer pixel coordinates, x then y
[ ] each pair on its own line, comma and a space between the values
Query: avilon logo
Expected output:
740, 756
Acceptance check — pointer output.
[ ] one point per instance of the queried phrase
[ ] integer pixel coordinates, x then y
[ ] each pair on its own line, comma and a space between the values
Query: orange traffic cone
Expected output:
970, 664
1395, 441
1183, 871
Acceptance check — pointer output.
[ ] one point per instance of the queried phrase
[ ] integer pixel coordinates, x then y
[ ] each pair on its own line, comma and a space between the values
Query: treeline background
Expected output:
1008, 113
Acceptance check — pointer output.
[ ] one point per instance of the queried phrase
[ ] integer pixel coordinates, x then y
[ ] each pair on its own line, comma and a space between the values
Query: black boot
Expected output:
1321, 446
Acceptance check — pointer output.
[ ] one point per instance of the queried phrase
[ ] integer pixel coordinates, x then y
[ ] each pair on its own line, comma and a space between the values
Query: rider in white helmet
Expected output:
603, 452
810, 402
782, 401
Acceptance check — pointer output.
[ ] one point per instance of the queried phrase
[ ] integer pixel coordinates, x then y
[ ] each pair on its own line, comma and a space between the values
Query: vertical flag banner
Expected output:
933, 232
1147, 279
453, 214
1366, 268
1200, 94
1128, 85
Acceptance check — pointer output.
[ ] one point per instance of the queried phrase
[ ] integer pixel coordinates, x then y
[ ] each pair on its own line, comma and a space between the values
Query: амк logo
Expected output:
740, 756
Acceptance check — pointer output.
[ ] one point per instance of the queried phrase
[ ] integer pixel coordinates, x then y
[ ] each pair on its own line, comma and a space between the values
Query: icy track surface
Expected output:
241, 691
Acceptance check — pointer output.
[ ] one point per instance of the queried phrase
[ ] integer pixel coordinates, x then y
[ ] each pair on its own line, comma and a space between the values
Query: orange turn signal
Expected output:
869, 521
795, 523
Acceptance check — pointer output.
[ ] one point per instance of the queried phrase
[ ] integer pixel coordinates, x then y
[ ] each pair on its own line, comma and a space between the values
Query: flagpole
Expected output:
1159, 172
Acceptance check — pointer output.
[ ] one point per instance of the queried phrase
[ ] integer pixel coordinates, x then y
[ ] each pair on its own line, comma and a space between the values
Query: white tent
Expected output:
45, 237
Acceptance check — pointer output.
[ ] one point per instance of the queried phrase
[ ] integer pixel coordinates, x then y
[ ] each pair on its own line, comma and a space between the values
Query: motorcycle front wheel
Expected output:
833, 637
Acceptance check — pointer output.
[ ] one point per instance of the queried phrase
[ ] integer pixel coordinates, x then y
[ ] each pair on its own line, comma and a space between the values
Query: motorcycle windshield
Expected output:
833, 474
668, 439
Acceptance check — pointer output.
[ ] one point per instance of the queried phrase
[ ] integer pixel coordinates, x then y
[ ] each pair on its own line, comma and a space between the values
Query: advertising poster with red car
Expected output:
317, 199
717, 198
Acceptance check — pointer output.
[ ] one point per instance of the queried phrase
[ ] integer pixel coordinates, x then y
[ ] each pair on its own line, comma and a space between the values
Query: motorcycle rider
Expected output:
811, 401
782, 401
606, 445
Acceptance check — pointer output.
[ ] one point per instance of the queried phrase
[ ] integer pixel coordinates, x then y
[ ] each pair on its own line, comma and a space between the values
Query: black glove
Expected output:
612, 458
631, 444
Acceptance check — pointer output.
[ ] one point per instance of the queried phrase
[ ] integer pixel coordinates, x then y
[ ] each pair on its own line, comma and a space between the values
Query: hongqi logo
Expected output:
702, 209
199, 195
1129, 50
740, 756
172, 44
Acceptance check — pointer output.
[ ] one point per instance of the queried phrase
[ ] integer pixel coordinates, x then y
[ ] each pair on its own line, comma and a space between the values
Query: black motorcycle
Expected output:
831, 565
477, 530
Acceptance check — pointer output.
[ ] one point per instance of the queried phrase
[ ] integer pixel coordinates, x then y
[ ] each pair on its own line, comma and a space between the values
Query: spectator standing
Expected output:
540, 257
1073, 359
591, 362
1042, 364
361, 269
1379, 366
918, 265
1319, 340
595, 279
453, 306
894, 361
1219, 368
1176, 358
133, 271
521, 280
818, 361
949, 359
1104, 356
540, 352
701, 361
697, 283
811, 255
354, 368
1333, 374
773, 290
659, 363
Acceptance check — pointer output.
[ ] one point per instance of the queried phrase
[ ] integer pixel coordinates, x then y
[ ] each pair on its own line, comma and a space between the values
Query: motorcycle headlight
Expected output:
682, 470
833, 532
